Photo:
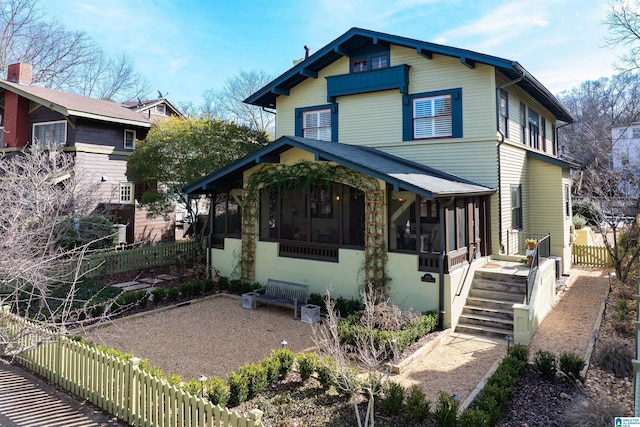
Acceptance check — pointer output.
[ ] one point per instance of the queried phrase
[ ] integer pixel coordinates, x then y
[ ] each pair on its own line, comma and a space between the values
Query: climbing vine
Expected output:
306, 175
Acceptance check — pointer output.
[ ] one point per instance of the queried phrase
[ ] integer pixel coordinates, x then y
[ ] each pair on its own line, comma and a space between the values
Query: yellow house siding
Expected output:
371, 119
513, 171
307, 94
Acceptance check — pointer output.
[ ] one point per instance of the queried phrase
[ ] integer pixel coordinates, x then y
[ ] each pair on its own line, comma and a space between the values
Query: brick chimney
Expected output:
16, 108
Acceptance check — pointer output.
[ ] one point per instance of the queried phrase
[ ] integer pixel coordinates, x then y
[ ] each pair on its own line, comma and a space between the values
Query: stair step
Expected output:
497, 295
483, 330
490, 303
499, 285
519, 277
504, 313
488, 321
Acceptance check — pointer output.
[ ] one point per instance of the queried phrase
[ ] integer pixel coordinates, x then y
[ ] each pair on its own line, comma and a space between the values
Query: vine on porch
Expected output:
307, 175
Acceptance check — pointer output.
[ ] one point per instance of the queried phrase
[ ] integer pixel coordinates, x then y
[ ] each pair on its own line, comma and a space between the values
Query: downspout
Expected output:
498, 89
441, 263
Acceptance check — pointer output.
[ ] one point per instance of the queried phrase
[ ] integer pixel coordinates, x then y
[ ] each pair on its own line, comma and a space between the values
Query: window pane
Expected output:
378, 62
220, 210
293, 214
402, 219
268, 203
432, 117
234, 212
317, 125
353, 216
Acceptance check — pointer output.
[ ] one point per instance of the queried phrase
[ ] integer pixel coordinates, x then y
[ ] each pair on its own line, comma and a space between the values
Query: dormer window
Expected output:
370, 62
161, 110
378, 62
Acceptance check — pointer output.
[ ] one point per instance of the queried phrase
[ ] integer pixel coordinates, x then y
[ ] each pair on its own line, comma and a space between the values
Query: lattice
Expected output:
375, 255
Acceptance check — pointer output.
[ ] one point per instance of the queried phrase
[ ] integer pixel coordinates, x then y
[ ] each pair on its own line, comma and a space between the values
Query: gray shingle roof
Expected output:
70, 104
400, 173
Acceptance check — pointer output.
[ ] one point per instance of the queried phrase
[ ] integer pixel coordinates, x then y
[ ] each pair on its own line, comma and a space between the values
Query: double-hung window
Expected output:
126, 192
504, 113
318, 122
523, 123
51, 133
432, 117
534, 129
516, 207
130, 139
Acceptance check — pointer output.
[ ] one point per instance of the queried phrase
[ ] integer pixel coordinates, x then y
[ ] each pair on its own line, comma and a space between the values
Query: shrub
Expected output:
159, 295
286, 359
325, 373
238, 389
272, 366
217, 391
591, 413
418, 407
488, 404
173, 294
614, 356
446, 413
186, 290
546, 363
587, 211
197, 288
572, 365
474, 418
393, 397
223, 282
194, 387
208, 285
256, 377
520, 352
579, 221
174, 379
307, 363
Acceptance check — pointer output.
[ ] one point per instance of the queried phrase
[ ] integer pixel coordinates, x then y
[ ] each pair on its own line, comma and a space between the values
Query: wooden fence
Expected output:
592, 256
133, 259
120, 387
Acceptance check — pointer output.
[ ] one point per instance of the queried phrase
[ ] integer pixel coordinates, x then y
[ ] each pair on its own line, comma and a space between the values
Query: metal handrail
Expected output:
543, 245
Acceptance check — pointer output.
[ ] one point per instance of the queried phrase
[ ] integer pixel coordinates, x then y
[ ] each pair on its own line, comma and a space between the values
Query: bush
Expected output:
286, 359
307, 363
393, 397
587, 211
614, 356
418, 407
238, 389
590, 413
474, 418
159, 295
520, 352
579, 222
174, 380
446, 413
173, 294
325, 375
272, 366
217, 391
194, 387
572, 365
546, 363
256, 377
223, 282
186, 290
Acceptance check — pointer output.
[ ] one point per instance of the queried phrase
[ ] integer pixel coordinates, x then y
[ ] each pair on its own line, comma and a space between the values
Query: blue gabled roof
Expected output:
402, 174
356, 37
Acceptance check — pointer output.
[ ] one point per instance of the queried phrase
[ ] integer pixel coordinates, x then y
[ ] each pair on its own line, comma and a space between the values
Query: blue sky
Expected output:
187, 47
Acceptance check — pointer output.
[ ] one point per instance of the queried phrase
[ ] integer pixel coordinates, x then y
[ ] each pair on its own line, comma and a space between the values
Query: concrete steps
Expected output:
489, 307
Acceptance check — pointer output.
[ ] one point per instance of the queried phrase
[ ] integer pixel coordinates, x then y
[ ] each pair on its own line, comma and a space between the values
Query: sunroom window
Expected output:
51, 133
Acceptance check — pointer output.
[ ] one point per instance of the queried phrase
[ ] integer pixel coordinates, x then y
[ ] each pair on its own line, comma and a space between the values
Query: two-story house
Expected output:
396, 161
100, 134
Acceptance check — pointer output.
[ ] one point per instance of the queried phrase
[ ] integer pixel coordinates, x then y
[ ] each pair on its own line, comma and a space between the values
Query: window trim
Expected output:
299, 119
133, 145
523, 123
519, 225
543, 126
456, 113
534, 128
123, 185
567, 201
54, 122
368, 59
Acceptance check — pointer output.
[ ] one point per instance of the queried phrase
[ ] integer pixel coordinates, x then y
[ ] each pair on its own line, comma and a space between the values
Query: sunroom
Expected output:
325, 213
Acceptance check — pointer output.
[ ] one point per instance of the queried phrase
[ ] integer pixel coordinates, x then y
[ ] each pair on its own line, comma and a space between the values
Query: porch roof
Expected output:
400, 173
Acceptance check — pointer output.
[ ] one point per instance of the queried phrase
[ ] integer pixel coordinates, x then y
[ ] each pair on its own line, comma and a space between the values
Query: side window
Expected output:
432, 115
504, 113
567, 201
543, 125
523, 123
126, 192
516, 206
51, 133
534, 129
318, 122
130, 139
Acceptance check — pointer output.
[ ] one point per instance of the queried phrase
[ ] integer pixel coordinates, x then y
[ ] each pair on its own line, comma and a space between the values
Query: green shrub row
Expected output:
343, 306
571, 365
416, 406
418, 327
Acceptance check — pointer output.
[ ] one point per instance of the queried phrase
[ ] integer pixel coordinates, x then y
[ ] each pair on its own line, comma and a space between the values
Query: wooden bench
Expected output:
286, 294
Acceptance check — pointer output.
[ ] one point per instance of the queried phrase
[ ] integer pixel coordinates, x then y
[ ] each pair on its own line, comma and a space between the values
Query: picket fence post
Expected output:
133, 389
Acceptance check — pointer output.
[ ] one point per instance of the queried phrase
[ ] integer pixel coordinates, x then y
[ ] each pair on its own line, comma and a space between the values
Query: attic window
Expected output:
161, 110
378, 62
359, 65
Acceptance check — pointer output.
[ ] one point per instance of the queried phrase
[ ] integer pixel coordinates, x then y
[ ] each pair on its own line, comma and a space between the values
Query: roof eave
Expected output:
100, 117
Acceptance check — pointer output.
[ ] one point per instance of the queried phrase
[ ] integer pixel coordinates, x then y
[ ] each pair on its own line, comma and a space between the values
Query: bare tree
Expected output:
45, 208
228, 103
623, 20
346, 363
63, 59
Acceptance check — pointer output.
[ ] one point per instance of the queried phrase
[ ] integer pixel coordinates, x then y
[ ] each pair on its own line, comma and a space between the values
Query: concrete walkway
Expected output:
29, 401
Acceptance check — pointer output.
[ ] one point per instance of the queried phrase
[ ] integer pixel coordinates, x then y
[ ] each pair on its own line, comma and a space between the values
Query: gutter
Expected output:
498, 89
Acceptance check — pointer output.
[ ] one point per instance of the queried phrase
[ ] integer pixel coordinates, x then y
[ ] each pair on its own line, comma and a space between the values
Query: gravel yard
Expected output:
212, 337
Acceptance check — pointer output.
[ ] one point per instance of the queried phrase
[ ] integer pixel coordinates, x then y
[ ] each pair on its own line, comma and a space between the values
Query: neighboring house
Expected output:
421, 160
100, 134
153, 109
625, 157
